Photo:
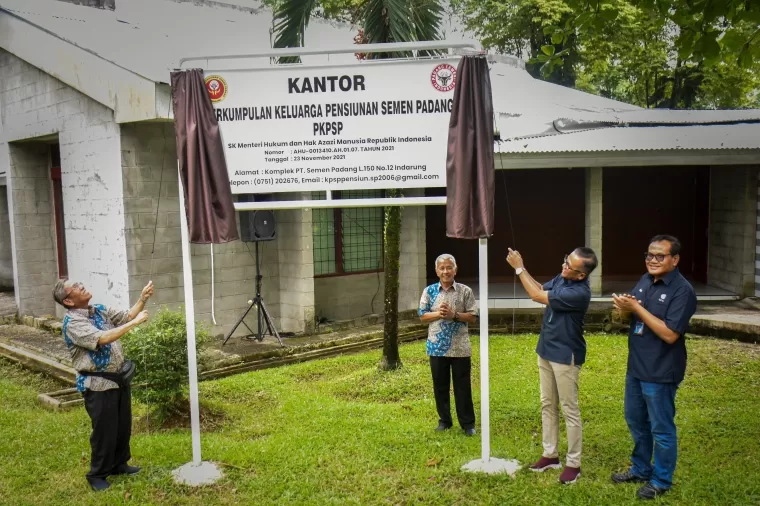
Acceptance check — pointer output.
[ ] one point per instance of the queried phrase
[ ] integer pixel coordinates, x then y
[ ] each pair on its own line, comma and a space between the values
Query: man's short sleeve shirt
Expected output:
82, 328
448, 338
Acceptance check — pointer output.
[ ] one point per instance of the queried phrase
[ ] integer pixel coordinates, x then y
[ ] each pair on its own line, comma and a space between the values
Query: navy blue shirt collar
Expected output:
667, 278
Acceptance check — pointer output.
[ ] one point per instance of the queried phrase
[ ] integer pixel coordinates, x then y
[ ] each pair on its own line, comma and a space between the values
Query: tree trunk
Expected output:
391, 359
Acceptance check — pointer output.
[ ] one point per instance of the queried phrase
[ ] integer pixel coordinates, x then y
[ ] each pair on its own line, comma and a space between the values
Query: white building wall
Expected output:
93, 197
36, 107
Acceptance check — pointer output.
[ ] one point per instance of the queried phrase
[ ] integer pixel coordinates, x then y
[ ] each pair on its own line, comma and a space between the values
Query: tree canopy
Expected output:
653, 53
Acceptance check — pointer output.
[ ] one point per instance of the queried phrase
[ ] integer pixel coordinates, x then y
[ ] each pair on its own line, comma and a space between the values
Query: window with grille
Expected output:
348, 241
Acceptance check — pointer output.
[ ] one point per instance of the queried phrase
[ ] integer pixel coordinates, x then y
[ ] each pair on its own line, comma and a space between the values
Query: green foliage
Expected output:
518, 27
426, 16
159, 350
381, 21
291, 17
706, 31
629, 50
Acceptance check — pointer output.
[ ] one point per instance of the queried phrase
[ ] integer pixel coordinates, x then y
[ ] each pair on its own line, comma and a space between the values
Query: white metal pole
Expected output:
484, 394
486, 463
192, 366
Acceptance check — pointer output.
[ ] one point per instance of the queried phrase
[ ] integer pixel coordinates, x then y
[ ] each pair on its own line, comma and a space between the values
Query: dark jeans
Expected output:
650, 411
111, 415
458, 368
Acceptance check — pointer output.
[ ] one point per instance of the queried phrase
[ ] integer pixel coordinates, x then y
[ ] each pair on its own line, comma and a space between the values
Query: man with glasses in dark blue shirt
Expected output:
561, 351
661, 306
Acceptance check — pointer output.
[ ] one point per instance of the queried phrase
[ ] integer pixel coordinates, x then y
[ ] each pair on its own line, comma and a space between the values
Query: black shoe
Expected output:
650, 491
628, 477
98, 484
442, 426
125, 469
470, 432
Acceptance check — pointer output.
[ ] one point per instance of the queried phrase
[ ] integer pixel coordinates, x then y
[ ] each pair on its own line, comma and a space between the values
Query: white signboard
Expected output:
369, 125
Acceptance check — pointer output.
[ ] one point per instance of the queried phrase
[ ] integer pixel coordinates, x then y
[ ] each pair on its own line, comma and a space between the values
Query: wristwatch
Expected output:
456, 316
519, 271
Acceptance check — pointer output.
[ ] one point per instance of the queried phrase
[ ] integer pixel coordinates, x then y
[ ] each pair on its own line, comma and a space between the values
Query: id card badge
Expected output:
639, 328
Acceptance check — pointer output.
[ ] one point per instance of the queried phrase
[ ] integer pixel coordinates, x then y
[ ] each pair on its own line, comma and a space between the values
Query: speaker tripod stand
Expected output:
263, 317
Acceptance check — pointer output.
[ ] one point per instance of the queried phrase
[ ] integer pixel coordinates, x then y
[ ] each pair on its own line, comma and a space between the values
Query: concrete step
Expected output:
38, 362
742, 327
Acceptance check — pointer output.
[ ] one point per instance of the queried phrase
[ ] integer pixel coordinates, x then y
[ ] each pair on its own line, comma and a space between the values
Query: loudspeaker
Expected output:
256, 226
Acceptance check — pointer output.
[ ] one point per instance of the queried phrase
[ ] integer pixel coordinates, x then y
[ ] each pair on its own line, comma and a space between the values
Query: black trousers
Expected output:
111, 415
458, 368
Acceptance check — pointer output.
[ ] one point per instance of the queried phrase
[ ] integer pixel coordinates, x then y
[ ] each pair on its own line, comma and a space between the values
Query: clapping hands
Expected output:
625, 302
446, 312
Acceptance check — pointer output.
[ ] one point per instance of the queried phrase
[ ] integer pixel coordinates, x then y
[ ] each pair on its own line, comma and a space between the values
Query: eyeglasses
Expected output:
75, 286
568, 266
649, 256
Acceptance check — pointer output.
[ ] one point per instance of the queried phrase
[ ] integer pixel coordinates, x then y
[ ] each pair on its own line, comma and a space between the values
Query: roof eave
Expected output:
131, 96
628, 158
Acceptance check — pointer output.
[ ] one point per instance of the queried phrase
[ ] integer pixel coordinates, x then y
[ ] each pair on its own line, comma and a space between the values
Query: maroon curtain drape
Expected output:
469, 164
203, 168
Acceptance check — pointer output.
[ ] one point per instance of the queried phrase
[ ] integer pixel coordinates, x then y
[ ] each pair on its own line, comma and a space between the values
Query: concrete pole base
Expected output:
493, 466
195, 475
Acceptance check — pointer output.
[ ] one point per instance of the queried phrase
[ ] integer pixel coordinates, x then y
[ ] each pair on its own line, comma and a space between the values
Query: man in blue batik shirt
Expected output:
92, 333
661, 305
449, 307
561, 351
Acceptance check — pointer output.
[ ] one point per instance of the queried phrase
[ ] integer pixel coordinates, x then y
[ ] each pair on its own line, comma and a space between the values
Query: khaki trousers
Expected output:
559, 386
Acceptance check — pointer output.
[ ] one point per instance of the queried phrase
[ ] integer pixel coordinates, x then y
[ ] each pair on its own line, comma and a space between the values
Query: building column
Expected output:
412, 268
733, 219
594, 223
757, 240
296, 267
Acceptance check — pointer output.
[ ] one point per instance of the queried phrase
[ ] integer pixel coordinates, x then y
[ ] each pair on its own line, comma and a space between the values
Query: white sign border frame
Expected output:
463, 48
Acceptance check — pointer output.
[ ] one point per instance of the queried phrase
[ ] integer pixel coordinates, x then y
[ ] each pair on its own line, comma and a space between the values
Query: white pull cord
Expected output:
213, 318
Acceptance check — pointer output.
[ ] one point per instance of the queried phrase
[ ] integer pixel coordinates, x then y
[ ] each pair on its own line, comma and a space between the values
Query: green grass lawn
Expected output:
337, 431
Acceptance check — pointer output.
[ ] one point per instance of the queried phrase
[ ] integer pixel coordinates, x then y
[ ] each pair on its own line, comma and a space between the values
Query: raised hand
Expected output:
147, 292
515, 259
141, 317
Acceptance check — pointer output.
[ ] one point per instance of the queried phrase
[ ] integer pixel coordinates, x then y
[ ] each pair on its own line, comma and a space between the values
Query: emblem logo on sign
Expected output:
216, 87
444, 77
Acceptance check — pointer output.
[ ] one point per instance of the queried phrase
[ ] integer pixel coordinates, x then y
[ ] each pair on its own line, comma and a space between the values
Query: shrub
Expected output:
159, 351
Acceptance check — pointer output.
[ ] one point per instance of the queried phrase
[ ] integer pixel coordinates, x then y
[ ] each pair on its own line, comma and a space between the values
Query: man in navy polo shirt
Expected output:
661, 306
561, 352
